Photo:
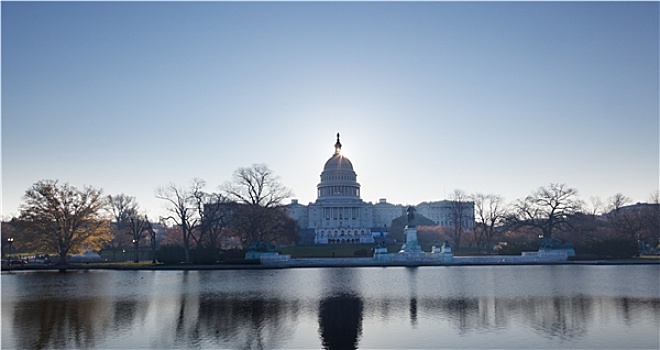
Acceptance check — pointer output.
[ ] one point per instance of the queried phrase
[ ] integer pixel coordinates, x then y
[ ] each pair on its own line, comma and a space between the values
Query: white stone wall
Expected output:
441, 213
356, 214
298, 212
384, 213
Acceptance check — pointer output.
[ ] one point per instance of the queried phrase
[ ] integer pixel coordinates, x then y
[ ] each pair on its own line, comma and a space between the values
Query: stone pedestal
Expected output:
444, 251
380, 250
411, 245
380, 254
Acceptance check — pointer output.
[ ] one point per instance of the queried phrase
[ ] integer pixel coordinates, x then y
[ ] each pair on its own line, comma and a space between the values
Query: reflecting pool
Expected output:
562, 306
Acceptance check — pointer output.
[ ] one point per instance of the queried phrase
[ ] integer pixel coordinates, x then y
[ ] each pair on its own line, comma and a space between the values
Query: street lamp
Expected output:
10, 241
136, 250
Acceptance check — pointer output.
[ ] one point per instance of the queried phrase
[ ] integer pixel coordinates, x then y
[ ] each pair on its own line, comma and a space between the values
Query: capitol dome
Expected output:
338, 178
338, 162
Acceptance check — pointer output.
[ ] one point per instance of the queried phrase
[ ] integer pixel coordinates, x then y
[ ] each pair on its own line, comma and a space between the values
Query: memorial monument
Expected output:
410, 233
265, 252
411, 252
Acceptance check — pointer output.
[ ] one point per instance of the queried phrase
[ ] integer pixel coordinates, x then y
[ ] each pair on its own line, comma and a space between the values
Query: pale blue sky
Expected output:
429, 97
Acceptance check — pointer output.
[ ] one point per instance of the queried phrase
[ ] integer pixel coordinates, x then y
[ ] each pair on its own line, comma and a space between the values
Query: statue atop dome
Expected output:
337, 145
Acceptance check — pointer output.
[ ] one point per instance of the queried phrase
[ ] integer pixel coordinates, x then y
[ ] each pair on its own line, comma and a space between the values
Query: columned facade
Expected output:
340, 216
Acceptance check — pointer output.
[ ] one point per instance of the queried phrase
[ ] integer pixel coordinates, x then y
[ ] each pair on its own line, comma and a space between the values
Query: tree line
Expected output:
551, 212
248, 209
61, 218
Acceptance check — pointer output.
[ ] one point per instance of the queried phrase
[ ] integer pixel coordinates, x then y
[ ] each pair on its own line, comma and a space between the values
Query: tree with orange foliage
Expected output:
64, 219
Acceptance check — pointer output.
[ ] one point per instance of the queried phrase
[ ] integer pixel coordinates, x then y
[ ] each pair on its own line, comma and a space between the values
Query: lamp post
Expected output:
136, 250
10, 241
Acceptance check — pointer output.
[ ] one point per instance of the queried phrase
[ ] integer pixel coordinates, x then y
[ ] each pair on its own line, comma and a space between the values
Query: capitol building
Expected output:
340, 216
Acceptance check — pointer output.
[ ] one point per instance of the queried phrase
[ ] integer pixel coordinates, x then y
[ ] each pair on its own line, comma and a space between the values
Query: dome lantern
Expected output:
338, 145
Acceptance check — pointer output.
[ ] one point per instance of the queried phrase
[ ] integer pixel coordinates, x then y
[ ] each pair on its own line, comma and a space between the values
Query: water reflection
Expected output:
412, 283
243, 323
340, 310
413, 311
564, 318
60, 323
348, 310
221, 320
340, 321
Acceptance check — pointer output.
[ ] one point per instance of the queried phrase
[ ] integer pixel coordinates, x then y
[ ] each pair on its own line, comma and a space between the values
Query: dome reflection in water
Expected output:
340, 321
572, 306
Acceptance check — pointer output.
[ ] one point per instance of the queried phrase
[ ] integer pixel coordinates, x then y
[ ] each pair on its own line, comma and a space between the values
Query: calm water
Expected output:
615, 307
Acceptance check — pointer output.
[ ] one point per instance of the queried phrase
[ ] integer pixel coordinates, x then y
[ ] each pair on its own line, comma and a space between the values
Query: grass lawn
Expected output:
649, 256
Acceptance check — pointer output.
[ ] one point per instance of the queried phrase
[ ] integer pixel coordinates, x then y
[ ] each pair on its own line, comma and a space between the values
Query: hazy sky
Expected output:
428, 97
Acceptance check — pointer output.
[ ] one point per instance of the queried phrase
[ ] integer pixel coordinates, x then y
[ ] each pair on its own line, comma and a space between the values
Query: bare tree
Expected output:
618, 201
490, 213
122, 207
586, 224
652, 220
137, 225
459, 216
183, 206
256, 185
64, 218
152, 238
596, 208
216, 213
631, 221
257, 191
548, 208
624, 223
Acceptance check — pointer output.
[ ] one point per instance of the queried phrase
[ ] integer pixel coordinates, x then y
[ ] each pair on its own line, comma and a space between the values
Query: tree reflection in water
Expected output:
224, 321
564, 318
253, 323
61, 323
349, 309
340, 321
